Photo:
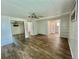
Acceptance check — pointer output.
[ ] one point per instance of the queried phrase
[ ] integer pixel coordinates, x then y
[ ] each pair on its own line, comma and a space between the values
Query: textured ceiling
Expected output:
22, 8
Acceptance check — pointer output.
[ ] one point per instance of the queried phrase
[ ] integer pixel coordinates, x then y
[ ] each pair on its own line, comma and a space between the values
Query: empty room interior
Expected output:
39, 29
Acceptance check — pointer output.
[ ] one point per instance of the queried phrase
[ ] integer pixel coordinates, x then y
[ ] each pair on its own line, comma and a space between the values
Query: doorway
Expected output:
18, 31
54, 27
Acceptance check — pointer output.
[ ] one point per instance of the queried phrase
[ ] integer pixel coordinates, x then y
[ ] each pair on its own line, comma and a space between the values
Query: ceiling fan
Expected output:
33, 15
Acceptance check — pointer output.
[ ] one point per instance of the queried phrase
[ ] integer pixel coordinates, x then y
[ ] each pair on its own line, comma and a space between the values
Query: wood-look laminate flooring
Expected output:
38, 47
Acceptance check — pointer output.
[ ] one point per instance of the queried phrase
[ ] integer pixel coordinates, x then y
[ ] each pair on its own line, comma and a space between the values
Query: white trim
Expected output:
17, 19
52, 17
72, 12
70, 49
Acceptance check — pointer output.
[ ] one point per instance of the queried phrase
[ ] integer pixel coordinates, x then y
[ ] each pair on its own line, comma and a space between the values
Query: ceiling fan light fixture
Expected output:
33, 15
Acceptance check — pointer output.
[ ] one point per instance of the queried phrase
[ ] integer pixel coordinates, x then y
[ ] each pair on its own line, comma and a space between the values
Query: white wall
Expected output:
42, 27
30, 28
73, 36
73, 39
34, 27
64, 26
6, 34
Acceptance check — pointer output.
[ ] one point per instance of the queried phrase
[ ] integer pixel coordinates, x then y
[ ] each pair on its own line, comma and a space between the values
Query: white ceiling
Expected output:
22, 8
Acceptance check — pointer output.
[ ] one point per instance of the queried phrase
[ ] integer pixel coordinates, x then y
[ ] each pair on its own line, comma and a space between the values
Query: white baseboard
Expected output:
70, 49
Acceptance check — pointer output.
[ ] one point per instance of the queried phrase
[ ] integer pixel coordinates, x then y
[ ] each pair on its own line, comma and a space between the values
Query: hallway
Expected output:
39, 47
